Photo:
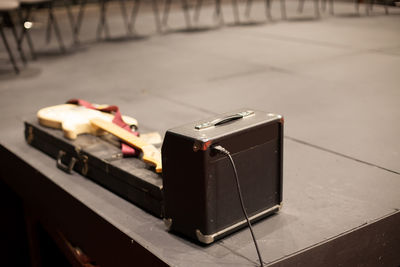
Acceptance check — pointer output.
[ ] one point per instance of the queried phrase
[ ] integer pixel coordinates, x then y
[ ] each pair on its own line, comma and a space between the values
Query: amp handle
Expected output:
226, 119
223, 120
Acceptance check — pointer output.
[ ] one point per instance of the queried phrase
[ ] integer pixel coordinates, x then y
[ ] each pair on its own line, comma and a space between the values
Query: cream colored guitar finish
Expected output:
75, 120
151, 154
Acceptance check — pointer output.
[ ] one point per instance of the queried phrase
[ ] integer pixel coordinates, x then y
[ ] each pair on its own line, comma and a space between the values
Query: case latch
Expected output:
66, 168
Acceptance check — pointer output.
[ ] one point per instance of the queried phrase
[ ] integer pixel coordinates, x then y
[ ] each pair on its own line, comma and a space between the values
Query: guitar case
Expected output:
100, 159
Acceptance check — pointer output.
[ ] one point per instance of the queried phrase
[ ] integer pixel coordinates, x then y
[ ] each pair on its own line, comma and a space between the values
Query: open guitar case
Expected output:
100, 159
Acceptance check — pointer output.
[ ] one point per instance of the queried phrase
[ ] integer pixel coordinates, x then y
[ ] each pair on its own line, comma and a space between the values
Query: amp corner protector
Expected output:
201, 145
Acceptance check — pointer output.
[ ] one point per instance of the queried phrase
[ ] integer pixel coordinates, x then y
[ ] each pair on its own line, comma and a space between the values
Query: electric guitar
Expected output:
151, 154
75, 120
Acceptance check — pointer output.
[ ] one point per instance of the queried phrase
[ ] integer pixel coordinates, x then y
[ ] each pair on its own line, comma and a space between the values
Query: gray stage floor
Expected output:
335, 79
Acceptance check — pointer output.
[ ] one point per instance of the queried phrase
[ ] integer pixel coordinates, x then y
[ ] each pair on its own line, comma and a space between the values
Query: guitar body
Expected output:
75, 120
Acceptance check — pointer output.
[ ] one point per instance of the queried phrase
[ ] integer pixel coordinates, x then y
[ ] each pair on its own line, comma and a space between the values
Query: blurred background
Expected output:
330, 67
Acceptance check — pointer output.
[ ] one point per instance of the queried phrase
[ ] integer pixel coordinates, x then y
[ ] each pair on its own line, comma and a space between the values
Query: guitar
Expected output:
151, 154
75, 120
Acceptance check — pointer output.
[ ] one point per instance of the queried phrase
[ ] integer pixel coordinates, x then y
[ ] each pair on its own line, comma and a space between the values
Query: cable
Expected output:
222, 150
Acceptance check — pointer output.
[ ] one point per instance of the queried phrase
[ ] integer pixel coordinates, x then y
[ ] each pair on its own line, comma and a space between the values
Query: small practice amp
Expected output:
200, 195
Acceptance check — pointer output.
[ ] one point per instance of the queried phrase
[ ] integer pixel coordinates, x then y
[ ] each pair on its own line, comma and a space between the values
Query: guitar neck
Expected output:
151, 154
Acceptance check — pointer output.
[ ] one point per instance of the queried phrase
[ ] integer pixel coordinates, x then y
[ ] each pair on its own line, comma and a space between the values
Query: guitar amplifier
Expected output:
201, 199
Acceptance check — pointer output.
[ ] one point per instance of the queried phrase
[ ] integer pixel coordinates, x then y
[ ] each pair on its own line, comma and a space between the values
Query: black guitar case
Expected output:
100, 159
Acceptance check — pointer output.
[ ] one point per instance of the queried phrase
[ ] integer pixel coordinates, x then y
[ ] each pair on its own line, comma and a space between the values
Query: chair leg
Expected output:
369, 7
101, 21
156, 15
387, 2
71, 19
283, 9
53, 21
218, 12
25, 32
3, 36
357, 6
48, 28
316, 8
79, 19
248, 7
268, 9
301, 6
167, 7
236, 11
323, 5
134, 13
103, 26
185, 8
197, 10
125, 17
331, 7
19, 47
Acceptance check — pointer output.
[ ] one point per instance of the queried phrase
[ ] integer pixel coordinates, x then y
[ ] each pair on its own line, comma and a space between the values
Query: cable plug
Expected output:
221, 149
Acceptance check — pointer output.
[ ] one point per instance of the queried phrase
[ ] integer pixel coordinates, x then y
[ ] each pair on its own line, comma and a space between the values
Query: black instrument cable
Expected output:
222, 150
